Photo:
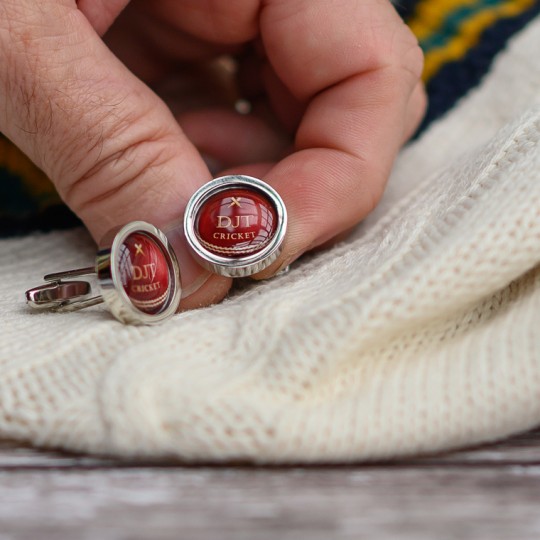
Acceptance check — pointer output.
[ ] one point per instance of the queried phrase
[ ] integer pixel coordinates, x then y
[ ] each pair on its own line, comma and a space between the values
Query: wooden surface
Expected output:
488, 493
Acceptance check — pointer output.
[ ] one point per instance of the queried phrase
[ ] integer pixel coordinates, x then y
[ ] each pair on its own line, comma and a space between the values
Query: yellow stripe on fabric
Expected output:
35, 182
430, 15
469, 34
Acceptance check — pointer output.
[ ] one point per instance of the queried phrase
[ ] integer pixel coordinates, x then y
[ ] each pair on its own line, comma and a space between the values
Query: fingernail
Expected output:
284, 268
192, 275
214, 165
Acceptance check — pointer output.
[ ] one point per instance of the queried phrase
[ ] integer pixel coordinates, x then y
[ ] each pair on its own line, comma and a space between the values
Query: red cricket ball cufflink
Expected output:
236, 225
135, 273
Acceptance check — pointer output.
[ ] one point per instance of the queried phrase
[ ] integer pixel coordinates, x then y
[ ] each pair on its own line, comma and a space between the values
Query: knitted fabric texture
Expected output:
418, 334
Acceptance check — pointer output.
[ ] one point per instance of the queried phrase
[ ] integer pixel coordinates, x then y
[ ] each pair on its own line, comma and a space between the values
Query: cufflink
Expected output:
236, 225
136, 274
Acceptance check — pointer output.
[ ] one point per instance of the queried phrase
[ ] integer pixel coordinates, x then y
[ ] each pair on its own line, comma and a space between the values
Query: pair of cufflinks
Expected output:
235, 226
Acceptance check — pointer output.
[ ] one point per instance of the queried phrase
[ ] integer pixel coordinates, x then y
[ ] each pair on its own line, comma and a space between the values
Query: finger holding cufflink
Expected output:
234, 224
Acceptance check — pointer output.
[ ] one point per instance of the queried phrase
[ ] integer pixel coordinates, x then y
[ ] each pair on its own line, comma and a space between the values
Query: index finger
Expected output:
357, 64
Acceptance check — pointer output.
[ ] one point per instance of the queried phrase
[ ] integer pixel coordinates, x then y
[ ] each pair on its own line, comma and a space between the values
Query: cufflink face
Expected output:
136, 274
139, 275
143, 270
236, 222
236, 225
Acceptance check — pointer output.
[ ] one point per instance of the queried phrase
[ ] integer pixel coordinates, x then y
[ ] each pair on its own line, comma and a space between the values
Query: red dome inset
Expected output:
144, 273
236, 222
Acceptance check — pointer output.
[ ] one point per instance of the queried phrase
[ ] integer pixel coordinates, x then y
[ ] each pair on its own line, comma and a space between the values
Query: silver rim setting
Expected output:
240, 266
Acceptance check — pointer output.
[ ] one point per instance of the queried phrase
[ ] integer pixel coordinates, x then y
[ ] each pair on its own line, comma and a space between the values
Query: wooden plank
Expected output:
265, 504
490, 492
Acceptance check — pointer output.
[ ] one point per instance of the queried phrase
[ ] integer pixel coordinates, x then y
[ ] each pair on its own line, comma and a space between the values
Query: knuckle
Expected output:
82, 123
103, 138
413, 61
408, 53
397, 49
124, 175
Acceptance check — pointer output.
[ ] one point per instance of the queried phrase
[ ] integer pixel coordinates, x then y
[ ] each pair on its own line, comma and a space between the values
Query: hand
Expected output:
335, 86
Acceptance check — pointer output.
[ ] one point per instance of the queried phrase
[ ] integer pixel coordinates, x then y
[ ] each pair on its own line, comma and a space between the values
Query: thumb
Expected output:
109, 144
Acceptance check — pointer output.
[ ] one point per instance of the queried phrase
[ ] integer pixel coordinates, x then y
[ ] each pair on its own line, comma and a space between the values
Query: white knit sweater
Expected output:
418, 334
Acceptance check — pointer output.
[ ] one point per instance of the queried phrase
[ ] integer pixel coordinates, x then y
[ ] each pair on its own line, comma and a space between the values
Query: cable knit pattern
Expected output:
418, 334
